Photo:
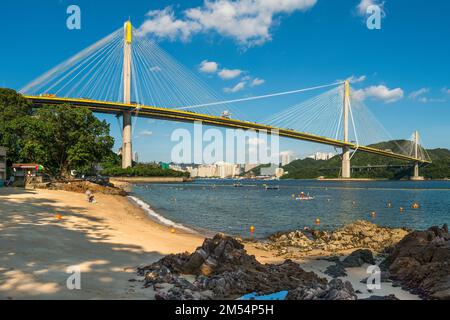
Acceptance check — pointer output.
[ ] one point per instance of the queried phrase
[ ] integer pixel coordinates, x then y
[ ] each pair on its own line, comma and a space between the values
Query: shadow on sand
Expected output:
36, 249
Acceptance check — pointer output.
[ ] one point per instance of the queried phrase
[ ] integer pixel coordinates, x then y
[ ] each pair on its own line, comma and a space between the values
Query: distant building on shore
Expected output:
285, 158
322, 156
218, 170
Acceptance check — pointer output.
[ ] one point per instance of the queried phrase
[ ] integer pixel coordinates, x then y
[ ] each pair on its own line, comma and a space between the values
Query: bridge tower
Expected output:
346, 171
416, 155
127, 152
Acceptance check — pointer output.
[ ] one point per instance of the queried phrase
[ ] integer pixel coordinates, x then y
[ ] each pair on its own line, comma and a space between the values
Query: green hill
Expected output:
362, 162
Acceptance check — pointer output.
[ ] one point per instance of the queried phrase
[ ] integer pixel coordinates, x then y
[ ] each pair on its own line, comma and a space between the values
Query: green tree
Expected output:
14, 109
63, 138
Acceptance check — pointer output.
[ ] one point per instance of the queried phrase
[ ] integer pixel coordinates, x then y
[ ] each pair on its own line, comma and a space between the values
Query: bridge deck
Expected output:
188, 116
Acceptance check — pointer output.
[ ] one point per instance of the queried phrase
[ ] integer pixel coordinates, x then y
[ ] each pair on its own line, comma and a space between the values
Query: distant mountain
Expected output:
365, 165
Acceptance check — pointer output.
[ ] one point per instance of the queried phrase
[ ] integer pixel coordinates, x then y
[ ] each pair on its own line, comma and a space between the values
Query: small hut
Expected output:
28, 172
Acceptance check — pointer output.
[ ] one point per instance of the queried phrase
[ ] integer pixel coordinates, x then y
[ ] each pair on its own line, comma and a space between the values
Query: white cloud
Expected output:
380, 92
361, 8
430, 100
356, 79
249, 22
164, 24
418, 93
240, 86
145, 133
208, 66
257, 82
227, 74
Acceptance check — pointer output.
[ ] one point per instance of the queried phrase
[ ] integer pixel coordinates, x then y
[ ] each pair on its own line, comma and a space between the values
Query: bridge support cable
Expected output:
259, 97
318, 115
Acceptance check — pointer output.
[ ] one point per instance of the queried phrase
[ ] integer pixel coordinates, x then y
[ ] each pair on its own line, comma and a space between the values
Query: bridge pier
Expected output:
416, 176
346, 169
127, 150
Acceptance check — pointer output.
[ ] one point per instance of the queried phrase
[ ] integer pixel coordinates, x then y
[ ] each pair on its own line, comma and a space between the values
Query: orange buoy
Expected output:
318, 221
252, 229
415, 205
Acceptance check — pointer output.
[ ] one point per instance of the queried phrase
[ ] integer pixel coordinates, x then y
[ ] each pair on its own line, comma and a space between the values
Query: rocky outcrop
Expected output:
81, 187
223, 269
360, 234
336, 289
421, 263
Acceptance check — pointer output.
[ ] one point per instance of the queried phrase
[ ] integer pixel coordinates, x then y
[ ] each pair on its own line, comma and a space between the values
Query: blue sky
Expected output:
292, 44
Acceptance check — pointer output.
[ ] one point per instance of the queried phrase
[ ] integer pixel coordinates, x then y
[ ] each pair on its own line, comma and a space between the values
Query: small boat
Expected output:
237, 185
272, 187
304, 198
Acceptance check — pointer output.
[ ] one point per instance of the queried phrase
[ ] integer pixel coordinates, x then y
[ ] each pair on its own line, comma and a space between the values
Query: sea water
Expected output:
211, 206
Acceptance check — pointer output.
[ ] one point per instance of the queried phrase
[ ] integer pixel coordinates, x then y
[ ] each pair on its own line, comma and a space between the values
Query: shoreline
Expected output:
113, 234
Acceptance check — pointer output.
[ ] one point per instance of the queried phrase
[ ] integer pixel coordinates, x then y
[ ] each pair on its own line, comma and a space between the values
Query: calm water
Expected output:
217, 206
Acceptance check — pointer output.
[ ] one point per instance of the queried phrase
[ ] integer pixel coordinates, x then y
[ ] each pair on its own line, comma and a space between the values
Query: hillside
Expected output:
311, 169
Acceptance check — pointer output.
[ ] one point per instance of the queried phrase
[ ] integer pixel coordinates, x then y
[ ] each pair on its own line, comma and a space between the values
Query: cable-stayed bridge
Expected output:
128, 75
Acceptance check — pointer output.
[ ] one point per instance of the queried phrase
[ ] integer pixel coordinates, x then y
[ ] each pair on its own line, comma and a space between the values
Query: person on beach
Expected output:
90, 196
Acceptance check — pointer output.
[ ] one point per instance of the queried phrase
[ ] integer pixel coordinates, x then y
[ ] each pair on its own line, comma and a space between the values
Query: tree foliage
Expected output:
61, 138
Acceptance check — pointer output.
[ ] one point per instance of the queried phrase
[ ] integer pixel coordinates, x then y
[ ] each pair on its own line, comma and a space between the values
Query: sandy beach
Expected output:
107, 240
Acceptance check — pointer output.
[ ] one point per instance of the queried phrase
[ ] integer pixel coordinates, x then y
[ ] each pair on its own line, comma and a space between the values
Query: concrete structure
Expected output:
345, 172
416, 176
127, 150
2, 165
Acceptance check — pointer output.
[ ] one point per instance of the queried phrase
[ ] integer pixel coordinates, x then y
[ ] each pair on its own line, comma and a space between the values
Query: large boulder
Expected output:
223, 269
421, 263
358, 258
